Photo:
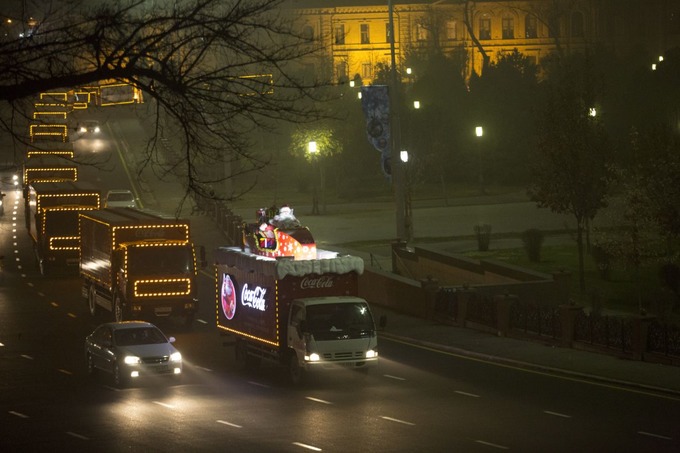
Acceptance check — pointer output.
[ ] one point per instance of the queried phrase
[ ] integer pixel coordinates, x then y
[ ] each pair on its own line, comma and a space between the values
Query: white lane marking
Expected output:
61, 370
202, 321
317, 400
403, 422
203, 368
472, 395
166, 405
233, 425
77, 436
26, 356
557, 414
258, 384
308, 447
54, 304
41, 294
30, 284
18, 414
71, 315
489, 444
19, 267
2, 344
389, 376
658, 436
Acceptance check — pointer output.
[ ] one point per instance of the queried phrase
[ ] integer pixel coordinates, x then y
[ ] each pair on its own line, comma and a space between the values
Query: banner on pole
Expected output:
375, 102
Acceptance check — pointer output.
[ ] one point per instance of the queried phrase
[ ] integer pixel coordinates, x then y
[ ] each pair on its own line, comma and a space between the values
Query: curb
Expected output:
530, 366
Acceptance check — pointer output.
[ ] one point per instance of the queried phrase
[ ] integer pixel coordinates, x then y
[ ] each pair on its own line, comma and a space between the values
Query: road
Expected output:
418, 399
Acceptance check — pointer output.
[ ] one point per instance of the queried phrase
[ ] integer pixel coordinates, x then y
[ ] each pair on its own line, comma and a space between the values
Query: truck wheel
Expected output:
118, 314
189, 320
296, 373
92, 301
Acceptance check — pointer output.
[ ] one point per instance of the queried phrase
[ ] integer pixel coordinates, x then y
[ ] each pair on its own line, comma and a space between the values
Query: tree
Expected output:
217, 71
316, 145
571, 167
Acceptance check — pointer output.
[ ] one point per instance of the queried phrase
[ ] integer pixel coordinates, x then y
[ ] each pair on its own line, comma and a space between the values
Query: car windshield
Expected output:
119, 196
138, 335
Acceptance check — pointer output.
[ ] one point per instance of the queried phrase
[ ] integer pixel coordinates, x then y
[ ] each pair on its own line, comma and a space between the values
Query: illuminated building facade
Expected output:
354, 34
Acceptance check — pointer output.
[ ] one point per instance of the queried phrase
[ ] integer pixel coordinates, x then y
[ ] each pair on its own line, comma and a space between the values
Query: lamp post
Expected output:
314, 157
479, 132
397, 167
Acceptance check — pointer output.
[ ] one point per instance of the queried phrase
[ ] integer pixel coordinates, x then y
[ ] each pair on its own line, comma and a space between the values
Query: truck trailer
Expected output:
302, 314
51, 212
138, 264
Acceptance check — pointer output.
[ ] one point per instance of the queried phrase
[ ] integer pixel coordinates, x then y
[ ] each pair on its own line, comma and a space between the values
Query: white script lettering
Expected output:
319, 282
253, 297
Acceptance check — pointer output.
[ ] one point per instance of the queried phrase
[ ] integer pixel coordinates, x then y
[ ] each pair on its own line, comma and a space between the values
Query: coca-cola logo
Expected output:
254, 298
316, 282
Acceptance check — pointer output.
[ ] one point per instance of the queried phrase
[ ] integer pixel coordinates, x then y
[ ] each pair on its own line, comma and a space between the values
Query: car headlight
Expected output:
96, 130
175, 357
131, 360
371, 354
83, 129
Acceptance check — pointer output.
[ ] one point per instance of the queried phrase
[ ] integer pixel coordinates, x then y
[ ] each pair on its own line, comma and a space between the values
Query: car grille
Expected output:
346, 355
155, 360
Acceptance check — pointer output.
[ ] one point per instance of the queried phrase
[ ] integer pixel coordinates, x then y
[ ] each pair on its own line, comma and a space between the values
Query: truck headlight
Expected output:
131, 360
96, 129
312, 357
175, 357
83, 129
371, 353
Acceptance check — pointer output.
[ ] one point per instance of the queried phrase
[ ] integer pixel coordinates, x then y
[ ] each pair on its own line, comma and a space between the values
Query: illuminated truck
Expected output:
52, 210
51, 168
302, 314
138, 264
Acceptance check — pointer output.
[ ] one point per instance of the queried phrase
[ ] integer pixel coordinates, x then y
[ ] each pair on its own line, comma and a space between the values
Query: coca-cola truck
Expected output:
302, 314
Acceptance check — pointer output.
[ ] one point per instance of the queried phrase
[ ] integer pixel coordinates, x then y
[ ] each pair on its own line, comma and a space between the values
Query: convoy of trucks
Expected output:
304, 314
51, 211
138, 264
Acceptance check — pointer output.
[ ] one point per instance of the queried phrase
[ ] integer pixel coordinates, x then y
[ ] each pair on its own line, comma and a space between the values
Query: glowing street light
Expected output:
479, 131
311, 147
403, 155
416, 105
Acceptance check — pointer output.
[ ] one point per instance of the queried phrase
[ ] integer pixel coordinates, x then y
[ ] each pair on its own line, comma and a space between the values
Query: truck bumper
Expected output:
163, 308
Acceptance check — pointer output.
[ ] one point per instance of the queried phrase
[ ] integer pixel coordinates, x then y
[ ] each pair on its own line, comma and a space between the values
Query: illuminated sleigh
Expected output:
276, 242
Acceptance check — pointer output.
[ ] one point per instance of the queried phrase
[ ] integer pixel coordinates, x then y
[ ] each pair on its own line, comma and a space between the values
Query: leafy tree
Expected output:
316, 145
571, 166
194, 59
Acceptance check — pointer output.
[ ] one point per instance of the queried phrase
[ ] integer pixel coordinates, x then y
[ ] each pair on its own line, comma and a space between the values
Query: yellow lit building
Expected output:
354, 34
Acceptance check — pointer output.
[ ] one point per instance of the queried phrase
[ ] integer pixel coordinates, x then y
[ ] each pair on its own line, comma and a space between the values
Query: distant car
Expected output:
90, 127
131, 350
120, 198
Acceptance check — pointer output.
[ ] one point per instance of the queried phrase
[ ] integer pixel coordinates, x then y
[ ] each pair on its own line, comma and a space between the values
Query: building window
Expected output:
451, 30
530, 27
308, 32
577, 29
342, 72
365, 34
485, 28
340, 34
421, 32
508, 28
366, 71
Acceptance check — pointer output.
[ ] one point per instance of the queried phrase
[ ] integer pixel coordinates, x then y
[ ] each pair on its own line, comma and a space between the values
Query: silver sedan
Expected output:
130, 350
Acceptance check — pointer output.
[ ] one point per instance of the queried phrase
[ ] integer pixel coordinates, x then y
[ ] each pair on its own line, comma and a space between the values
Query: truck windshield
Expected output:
348, 320
61, 223
161, 260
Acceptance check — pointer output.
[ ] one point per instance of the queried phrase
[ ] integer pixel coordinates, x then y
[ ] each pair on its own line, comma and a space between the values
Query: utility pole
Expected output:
397, 167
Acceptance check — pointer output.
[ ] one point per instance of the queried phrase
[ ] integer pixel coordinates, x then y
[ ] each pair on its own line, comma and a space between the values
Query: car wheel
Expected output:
118, 314
92, 301
296, 373
91, 369
119, 379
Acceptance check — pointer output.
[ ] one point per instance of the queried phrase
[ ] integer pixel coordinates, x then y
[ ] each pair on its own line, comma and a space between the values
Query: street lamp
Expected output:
479, 132
313, 149
416, 105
